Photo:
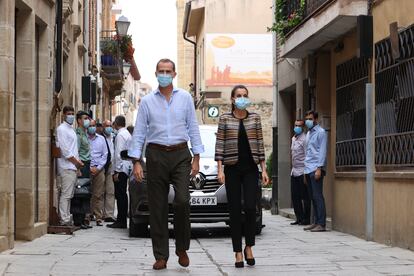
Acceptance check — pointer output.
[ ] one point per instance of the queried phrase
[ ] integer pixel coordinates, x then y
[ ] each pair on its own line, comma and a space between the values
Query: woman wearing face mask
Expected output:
239, 147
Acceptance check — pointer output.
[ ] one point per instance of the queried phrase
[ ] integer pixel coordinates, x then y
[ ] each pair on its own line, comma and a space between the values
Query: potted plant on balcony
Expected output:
127, 51
287, 19
109, 52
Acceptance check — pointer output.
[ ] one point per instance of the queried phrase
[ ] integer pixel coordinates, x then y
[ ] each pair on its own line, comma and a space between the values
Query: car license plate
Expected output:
203, 200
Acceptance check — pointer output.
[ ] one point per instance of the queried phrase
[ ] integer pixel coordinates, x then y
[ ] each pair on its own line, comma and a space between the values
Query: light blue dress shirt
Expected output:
316, 146
99, 151
166, 123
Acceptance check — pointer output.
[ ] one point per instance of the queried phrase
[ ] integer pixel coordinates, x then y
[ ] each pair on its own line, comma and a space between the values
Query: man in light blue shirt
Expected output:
99, 154
315, 162
166, 121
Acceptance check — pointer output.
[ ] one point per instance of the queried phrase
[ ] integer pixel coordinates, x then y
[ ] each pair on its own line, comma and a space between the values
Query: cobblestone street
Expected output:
281, 249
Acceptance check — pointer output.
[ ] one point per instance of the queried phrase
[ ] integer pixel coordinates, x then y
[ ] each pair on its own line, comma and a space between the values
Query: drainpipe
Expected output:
275, 182
53, 217
185, 27
86, 37
86, 43
58, 54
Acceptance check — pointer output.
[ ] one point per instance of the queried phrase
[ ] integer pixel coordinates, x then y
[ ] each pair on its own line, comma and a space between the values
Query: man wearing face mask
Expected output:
109, 201
122, 170
99, 154
315, 162
82, 118
166, 120
67, 164
299, 191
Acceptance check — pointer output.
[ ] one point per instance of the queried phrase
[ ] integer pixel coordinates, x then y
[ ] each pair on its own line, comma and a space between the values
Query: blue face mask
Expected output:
86, 123
164, 79
115, 132
70, 119
108, 130
92, 130
298, 130
242, 103
309, 124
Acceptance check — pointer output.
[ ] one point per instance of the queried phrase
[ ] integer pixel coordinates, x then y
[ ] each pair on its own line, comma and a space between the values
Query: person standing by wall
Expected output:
99, 154
121, 174
109, 171
315, 163
299, 191
67, 164
239, 147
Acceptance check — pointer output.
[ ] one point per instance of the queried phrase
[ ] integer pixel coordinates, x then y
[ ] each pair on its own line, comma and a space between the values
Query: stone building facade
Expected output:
26, 86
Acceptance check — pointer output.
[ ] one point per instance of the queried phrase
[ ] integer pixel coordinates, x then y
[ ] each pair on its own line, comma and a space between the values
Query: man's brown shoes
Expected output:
183, 259
160, 264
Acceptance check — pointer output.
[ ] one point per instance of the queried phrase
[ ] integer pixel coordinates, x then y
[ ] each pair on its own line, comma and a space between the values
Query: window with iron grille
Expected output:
351, 78
394, 105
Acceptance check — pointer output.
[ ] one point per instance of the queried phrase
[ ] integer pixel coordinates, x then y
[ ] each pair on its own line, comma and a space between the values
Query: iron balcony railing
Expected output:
111, 60
293, 8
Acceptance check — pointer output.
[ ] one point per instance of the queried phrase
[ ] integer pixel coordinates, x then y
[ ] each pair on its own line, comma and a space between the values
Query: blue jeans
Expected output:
318, 202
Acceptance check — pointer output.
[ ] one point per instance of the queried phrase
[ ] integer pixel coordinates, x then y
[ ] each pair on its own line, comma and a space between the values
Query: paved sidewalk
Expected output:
282, 249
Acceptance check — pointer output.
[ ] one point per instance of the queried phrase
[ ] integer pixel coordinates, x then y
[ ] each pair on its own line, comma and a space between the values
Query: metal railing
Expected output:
111, 61
294, 7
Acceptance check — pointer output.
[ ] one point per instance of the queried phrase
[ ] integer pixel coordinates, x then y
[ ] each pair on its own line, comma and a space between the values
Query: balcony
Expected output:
307, 25
111, 61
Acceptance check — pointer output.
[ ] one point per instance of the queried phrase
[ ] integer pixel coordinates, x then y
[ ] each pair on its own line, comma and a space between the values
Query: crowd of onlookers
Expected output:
91, 153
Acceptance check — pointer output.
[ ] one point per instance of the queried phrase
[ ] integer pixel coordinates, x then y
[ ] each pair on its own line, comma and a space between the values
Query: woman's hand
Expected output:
221, 177
265, 179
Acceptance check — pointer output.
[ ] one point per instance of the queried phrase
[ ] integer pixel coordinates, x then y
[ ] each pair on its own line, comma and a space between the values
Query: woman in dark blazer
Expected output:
239, 147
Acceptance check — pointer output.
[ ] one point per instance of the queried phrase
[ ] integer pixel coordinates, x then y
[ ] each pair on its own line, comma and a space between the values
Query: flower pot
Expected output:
107, 60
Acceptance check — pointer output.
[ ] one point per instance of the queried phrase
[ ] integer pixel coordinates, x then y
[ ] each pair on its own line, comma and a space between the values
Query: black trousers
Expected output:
300, 199
242, 184
121, 197
165, 168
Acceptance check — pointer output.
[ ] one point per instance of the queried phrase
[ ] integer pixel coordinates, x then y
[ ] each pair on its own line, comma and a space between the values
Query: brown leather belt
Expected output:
168, 148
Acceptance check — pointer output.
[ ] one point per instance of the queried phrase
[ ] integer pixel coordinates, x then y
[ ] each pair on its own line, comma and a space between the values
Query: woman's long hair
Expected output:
233, 92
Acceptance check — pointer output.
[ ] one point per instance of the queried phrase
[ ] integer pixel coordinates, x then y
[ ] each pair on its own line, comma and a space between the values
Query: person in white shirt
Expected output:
67, 164
109, 171
122, 171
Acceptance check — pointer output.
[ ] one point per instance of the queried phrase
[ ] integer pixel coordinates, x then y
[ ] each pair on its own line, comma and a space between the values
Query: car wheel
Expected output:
138, 229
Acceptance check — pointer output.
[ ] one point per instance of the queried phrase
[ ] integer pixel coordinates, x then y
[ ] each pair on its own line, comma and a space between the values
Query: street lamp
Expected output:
126, 67
122, 25
125, 108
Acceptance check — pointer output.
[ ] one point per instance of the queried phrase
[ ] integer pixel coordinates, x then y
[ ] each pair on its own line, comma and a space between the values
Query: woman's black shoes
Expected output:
239, 264
251, 261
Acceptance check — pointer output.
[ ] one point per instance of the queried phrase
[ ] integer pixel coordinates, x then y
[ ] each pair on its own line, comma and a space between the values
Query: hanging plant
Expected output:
285, 21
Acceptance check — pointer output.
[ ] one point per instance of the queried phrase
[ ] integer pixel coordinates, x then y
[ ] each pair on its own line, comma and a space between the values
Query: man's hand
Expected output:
94, 171
195, 165
318, 174
138, 172
115, 177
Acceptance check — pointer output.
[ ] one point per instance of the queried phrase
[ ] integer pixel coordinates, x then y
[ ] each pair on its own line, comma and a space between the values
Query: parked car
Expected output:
208, 202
